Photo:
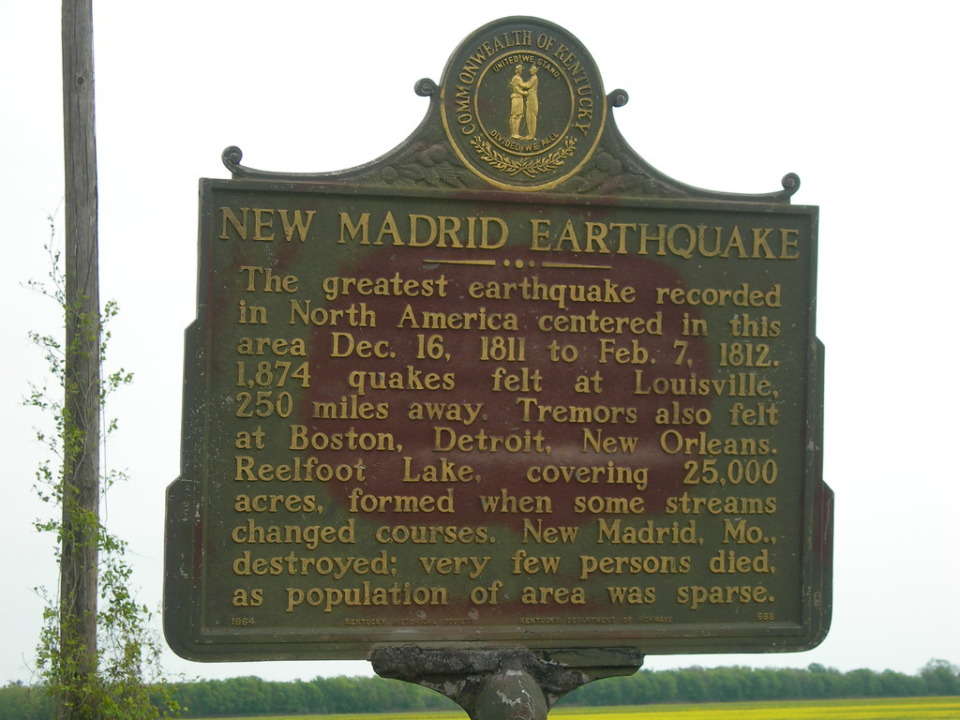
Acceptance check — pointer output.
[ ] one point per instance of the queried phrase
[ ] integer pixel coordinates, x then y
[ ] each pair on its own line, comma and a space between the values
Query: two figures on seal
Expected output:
524, 103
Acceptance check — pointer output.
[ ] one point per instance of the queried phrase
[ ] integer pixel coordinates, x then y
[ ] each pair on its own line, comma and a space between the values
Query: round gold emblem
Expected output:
522, 104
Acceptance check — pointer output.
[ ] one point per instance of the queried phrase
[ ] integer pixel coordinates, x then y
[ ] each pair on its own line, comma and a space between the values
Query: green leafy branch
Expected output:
126, 667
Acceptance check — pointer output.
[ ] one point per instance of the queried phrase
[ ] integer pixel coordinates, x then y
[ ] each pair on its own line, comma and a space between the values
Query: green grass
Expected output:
927, 708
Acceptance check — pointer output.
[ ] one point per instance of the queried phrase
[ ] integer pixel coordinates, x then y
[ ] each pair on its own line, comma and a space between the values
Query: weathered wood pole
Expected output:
81, 430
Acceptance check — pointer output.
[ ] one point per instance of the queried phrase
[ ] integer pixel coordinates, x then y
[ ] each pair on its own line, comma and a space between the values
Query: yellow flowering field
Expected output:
926, 708
872, 709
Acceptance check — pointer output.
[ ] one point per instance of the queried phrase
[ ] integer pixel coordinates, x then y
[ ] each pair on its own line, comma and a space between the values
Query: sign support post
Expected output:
502, 684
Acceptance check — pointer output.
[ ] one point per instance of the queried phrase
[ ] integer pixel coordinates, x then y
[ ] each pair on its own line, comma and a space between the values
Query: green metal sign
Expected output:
507, 386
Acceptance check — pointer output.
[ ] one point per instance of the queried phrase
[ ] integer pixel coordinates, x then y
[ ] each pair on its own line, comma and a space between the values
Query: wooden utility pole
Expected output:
81, 431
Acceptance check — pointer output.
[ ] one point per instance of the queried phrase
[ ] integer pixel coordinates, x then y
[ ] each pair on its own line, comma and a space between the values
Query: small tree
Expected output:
115, 679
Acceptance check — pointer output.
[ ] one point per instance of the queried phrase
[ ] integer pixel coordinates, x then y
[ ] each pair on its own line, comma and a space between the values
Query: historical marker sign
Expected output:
579, 409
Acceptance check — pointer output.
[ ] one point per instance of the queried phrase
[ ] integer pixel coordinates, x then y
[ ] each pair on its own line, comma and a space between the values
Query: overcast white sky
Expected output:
857, 98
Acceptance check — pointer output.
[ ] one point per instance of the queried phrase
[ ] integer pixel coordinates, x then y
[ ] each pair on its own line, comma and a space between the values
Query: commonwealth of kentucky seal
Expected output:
522, 104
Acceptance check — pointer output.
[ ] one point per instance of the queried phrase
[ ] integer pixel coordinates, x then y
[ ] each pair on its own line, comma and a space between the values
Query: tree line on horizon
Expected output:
246, 696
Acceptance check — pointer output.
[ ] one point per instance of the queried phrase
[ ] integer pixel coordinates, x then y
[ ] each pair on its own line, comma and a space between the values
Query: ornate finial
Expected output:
425, 87
618, 98
231, 158
791, 183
